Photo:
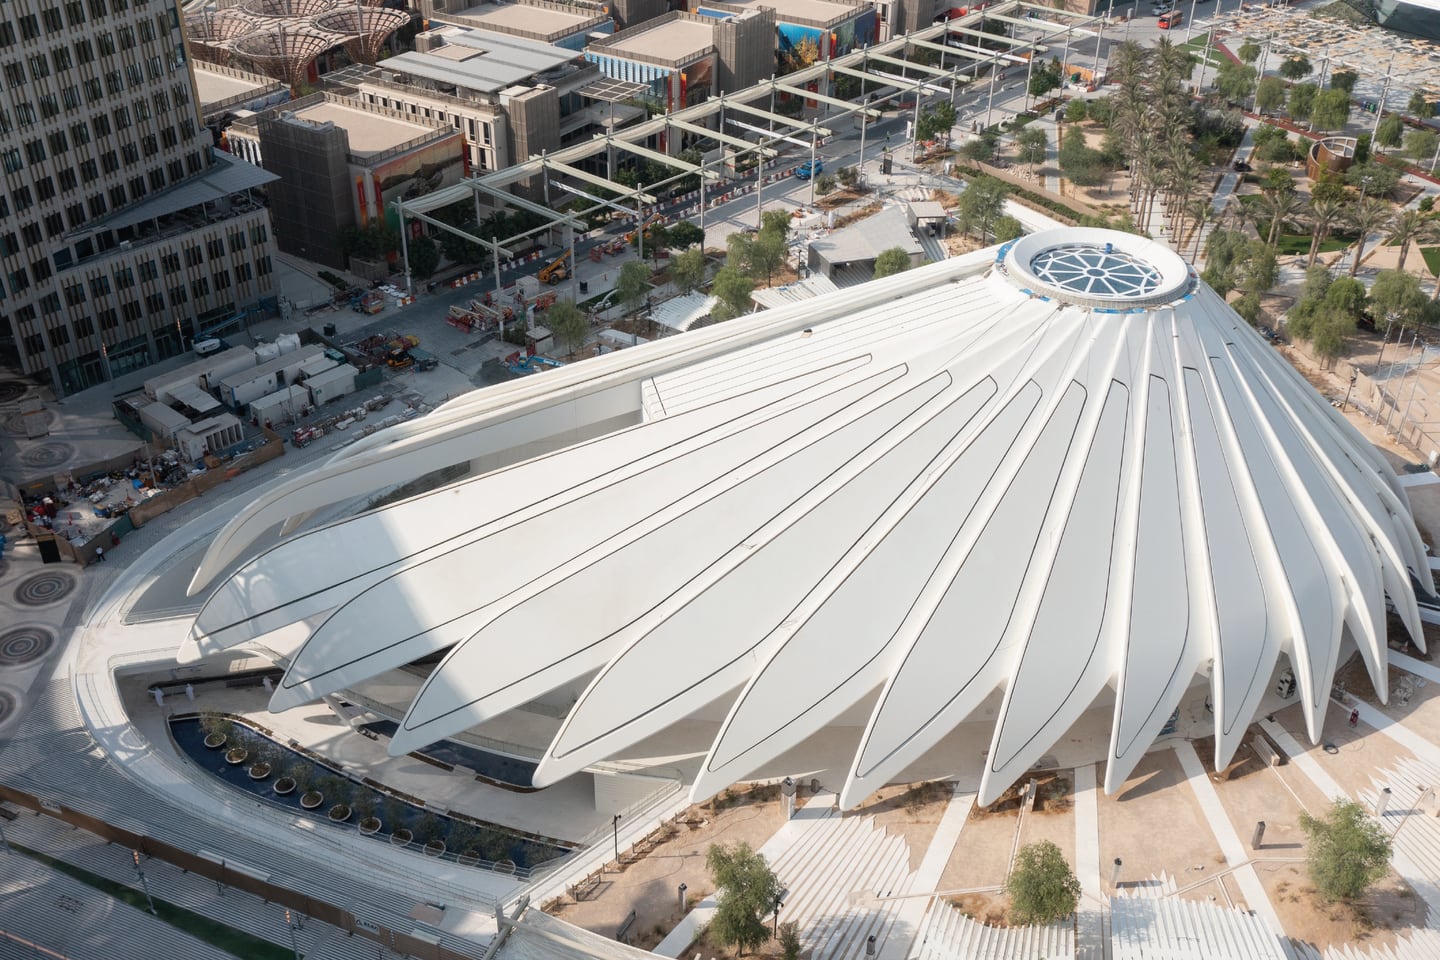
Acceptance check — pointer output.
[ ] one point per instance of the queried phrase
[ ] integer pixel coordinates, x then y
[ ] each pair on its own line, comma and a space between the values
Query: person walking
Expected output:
99, 554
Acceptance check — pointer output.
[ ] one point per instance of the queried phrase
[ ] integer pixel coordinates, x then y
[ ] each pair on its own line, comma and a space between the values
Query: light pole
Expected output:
135, 855
615, 826
1344, 403
864, 125
291, 924
775, 931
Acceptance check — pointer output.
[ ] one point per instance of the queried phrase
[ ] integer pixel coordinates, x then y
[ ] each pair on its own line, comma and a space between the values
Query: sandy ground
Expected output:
912, 812
1156, 802
650, 885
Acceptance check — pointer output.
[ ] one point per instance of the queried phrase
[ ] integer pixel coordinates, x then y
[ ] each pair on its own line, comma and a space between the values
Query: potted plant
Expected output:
401, 837
340, 791
265, 761
315, 795
427, 831
287, 783
461, 838
236, 755
216, 727
364, 807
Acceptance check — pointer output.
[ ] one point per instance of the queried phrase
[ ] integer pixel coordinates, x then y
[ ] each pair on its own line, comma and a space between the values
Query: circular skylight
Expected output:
1097, 268
1096, 271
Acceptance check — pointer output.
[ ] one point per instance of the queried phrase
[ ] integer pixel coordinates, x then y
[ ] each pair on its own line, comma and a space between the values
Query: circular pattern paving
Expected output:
12, 390
42, 589
7, 705
20, 422
50, 454
25, 645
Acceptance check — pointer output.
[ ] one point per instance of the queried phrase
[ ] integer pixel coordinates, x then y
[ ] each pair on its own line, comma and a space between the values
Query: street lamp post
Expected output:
775, 932
615, 826
145, 884
864, 125
289, 922
1346, 402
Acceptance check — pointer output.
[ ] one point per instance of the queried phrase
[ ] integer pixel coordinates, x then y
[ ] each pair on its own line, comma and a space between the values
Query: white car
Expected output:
1160, 9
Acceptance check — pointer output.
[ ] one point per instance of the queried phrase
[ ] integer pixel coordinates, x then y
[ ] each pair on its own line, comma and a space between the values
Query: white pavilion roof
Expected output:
1044, 470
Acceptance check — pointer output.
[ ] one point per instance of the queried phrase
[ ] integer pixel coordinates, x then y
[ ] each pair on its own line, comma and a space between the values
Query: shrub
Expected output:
1349, 851
1042, 887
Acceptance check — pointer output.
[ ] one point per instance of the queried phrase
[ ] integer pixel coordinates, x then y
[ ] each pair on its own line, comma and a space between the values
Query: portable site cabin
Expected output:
205, 372
333, 383
250, 385
164, 422
317, 365
209, 436
281, 406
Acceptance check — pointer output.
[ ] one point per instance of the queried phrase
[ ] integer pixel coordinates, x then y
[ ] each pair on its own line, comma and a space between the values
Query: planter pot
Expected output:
216, 740
505, 866
284, 786
370, 826
401, 837
434, 848
339, 813
312, 800
260, 771
237, 756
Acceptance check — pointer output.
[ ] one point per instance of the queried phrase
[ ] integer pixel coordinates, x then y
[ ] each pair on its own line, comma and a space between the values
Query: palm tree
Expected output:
1407, 227
1201, 212
1278, 206
1370, 215
1326, 213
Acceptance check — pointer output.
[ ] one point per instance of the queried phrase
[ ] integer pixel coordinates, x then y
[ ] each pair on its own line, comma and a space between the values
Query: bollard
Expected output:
1382, 802
870, 945
1258, 839
683, 888
1115, 873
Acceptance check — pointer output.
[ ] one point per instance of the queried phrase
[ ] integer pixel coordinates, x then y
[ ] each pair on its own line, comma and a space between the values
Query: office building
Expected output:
122, 235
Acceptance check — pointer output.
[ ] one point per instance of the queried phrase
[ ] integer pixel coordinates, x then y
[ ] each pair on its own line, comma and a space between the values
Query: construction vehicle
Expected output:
398, 358
369, 301
424, 360
652, 220
556, 271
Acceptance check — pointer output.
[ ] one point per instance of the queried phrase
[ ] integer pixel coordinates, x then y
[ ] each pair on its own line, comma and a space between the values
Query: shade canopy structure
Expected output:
1000, 492
282, 38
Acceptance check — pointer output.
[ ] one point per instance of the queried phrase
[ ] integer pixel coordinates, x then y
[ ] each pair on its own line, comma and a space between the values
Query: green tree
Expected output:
1369, 215
1344, 80
980, 205
1389, 131
1248, 306
685, 235
1075, 110
936, 122
1007, 228
891, 261
1420, 144
1301, 101
1042, 887
1326, 213
1331, 110
1098, 111
1235, 81
424, 257
1032, 141
1044, 78
1408, 226
767, 254
1372, 179
633, 284
687, 270
1082, 165
790, 940
370, 242
567, 322
1249, 51
848, 176
1269, 94
824, 184
732, 289
1296, 68
1396, 296
1348, 852
748, 892
981, 148
1419, 107
1346, 298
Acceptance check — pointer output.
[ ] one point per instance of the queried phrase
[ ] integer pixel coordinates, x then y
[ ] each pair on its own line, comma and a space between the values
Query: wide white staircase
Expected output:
832, 872
949, 934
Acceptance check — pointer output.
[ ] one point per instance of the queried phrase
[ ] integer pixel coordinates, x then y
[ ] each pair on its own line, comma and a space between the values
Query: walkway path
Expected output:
1235, 855
1091, 918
